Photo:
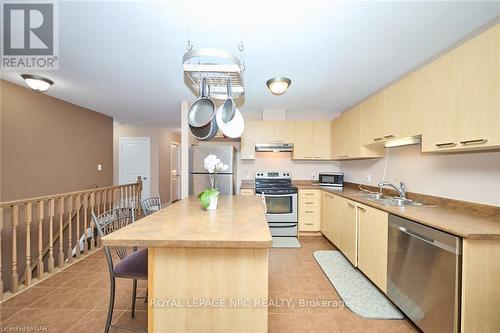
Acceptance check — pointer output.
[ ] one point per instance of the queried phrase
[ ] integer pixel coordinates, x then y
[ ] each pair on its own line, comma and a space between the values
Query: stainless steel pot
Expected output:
228, 108
202, 111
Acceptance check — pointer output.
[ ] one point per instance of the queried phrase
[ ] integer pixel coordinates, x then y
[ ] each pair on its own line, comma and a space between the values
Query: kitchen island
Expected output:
207, 270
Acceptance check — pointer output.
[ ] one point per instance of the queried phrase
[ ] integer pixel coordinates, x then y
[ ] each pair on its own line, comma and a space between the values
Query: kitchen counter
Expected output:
459, 223
247, 184
239, 222
200, 262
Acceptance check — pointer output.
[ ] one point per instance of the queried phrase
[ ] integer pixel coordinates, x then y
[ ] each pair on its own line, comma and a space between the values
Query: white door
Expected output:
134, 158
175, 181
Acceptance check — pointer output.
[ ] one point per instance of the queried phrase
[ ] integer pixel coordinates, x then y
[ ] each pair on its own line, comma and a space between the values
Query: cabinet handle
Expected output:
309, 193
446, 144
309, 203
309, 223
307, 157
362, 208
389, 136
474, 142
309, 211
317, 157
378, 139
351, 205
342, 156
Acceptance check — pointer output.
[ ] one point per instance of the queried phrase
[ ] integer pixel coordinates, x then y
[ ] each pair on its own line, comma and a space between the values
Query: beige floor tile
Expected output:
56, 320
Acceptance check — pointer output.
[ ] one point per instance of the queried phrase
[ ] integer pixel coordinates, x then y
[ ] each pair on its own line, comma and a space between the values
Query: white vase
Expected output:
213, 203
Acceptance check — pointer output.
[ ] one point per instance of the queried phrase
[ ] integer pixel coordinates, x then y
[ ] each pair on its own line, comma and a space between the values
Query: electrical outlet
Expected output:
313, 175
99, 167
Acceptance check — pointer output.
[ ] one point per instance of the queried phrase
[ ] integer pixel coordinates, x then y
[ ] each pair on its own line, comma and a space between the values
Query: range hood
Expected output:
411, 140
274, 147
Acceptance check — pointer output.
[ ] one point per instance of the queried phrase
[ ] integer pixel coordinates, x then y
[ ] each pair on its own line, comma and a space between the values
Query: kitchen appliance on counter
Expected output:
331, 179
281, 201
199, 177
424, 274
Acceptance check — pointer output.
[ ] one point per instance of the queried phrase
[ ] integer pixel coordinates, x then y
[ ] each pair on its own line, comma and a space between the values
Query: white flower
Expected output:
213, 164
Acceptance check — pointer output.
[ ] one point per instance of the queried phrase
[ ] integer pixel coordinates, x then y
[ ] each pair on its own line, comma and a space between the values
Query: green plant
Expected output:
207, 195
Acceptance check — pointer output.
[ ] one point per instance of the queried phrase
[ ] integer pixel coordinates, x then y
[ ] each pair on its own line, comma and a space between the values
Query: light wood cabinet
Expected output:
330, 216
309, 210
372, 124
372, 244
247, 150
274, 131
247, 191
460, 93
347, 242
312, 140
346, 137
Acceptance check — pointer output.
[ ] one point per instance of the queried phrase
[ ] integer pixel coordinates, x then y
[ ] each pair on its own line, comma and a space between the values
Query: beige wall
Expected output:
49, 146
471, 177
160, 167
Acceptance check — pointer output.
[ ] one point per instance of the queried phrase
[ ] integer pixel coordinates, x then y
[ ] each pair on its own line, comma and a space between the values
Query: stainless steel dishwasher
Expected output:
424, 274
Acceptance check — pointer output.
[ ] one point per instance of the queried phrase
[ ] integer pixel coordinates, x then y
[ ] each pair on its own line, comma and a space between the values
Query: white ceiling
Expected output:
124, 59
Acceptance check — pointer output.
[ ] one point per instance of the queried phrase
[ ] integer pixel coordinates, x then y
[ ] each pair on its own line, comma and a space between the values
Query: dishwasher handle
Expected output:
426, 239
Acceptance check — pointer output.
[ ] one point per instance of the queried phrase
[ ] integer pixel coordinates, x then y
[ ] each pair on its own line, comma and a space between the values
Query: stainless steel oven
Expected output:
281, 202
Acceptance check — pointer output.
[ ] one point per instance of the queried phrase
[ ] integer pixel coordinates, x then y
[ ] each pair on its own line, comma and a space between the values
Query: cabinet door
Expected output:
321, 143
264, 132
372, 115
352, 137
402, 107
440, 91
372, 244
302, 148
348, 230
283, 131
338, 138
479, 98
247, 151
309, 210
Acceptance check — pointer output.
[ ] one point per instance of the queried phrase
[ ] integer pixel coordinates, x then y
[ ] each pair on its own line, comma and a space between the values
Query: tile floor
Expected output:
76, 299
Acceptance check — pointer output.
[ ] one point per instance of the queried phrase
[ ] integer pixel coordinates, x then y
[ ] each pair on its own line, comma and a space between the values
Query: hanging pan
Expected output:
202, 111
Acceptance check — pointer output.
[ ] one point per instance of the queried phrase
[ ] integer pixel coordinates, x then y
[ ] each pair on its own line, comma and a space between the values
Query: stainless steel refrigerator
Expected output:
199, 177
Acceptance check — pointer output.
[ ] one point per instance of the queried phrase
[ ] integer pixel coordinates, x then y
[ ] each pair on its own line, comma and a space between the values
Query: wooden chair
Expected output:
151, 205
132, 265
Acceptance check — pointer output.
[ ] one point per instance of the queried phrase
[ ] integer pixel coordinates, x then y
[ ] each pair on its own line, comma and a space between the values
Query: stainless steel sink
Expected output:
389, 201
398, 202
373, 196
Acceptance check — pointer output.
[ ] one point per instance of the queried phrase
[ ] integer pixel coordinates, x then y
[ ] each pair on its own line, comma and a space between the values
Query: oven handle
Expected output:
283, 226
279, 195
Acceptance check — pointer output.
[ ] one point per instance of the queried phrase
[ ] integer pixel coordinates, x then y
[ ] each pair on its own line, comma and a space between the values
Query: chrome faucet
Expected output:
401, 189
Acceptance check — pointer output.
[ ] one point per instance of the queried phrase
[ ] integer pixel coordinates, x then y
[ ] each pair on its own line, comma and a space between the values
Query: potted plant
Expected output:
210, 197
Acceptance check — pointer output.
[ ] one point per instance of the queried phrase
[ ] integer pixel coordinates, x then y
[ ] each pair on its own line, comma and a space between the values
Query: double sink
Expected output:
389, 201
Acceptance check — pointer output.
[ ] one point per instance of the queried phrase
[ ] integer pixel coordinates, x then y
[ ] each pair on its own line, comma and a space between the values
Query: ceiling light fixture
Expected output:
37, 83
278, 85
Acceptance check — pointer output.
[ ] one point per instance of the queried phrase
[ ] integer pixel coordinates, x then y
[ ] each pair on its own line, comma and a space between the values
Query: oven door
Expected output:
281, 208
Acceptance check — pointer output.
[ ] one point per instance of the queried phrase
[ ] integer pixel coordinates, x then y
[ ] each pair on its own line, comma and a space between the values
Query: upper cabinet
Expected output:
346, 137
274, 131
247, 151
461, 97
312, 140
372, 120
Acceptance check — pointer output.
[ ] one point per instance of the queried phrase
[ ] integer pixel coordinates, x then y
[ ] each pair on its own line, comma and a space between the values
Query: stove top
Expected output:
274, 182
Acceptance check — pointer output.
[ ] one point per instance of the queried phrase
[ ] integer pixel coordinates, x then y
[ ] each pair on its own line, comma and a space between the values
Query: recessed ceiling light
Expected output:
37, 83
278, 85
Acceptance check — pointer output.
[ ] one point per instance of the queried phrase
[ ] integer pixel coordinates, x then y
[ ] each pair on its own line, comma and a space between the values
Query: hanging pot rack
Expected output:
216, 67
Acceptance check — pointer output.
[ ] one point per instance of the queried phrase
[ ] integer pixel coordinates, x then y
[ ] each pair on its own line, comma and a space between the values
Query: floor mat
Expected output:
357, 292
284, 242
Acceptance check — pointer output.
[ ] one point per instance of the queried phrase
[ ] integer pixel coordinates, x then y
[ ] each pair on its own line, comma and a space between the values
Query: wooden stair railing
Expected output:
66, 210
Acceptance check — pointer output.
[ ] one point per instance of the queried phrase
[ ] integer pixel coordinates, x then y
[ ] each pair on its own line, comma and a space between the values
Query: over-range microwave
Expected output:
332, 179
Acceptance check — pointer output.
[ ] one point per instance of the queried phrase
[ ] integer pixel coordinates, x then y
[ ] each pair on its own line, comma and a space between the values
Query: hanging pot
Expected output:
229, 107
202, 111
206, 132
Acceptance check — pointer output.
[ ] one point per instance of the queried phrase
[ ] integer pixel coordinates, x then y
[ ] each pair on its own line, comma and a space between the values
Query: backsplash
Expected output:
471, 177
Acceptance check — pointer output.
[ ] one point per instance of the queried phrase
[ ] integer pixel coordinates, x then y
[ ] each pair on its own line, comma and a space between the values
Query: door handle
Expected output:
473, 142
144, 178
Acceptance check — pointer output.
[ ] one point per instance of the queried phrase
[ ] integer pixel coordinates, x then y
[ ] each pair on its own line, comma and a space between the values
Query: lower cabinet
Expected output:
247, 191
309, 210
359, 232
372, 244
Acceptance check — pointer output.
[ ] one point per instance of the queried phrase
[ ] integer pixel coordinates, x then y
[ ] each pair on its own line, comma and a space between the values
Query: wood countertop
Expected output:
456, 222
239, 222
